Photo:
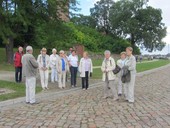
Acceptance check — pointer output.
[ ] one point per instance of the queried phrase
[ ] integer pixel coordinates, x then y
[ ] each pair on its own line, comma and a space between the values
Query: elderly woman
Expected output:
73, 63
107, 68
53, 61
131, 63
44, 62
85, 69
121, 64
62, 68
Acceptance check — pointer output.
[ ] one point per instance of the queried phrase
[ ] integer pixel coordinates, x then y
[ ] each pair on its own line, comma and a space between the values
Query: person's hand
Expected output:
90, 74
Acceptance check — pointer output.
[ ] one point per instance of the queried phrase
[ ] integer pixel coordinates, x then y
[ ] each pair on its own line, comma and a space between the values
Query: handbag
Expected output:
117, 69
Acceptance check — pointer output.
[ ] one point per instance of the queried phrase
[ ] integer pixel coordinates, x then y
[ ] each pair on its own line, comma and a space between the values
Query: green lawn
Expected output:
97, 74
18, 88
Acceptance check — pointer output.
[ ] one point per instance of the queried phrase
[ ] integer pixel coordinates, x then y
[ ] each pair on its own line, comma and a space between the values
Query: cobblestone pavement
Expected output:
87, 109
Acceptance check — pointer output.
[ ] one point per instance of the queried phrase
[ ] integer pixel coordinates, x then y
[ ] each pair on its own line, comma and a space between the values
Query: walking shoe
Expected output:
105, 97
119, 94
34, 103
72, 86
116, 99
27, 102
47, 88
84, 89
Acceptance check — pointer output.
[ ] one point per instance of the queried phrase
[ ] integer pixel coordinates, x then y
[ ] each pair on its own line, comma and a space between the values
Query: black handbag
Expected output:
117, 69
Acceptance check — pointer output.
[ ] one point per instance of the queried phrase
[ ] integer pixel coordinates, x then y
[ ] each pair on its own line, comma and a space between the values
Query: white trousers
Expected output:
121, 86
54, 75
129, 89
112, 85
30, 89
62, 79
44, 78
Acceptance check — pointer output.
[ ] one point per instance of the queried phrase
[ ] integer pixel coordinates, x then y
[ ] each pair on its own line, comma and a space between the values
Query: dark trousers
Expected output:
85, 80
18, 74
73, 71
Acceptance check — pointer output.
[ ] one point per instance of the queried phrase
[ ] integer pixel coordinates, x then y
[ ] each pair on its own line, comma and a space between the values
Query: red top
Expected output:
17, 59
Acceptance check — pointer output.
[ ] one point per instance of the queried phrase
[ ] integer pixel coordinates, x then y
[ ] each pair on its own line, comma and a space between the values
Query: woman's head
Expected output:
73, 52
129, 51
44, 51
123, 55
62, 53
85, 54
107, 54
54, 51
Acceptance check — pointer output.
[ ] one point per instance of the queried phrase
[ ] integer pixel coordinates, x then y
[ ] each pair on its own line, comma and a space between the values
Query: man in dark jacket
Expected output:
18, 65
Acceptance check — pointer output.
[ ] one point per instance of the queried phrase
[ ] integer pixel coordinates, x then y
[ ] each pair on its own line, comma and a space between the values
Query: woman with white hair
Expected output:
62, 68
53, 61
107, 68
44, 62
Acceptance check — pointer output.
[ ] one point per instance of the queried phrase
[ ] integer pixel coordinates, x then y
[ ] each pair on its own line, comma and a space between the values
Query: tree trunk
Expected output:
9, 50
132, 41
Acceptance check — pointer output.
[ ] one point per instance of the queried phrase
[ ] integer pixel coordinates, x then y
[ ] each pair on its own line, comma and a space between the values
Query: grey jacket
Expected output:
30, 65
131, 63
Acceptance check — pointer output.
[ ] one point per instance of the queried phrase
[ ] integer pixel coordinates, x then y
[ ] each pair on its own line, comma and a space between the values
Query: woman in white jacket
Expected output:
121, 64
44, 62
85, 69
62, 68
53, 61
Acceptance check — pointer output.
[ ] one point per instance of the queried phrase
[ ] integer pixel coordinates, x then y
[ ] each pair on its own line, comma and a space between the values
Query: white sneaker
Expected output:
72, 86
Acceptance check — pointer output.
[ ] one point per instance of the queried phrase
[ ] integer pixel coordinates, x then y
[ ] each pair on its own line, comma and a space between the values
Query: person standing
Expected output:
62, 68
73, 62
131, 63
85, 69
30, 67
18, 64
107, 68
121, 64
44, 62
53, 61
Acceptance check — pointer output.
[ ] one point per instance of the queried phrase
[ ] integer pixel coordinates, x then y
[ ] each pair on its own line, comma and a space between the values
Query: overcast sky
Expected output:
164, 5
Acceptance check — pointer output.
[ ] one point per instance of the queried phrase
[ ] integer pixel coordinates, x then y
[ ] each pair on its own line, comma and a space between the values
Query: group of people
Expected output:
127, 61
62, 64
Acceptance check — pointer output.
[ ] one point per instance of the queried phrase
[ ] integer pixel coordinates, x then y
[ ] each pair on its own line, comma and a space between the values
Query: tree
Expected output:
84, 20
139, 23
100, 13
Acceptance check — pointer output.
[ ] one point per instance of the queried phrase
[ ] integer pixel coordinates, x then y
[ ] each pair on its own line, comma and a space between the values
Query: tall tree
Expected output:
139, 23
100, 13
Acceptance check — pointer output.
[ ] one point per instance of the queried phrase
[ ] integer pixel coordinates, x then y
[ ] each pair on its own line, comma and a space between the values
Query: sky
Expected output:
85, 6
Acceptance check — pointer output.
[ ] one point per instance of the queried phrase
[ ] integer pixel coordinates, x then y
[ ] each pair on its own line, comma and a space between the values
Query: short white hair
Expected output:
54, 50
28, 48
107, 52
62, 51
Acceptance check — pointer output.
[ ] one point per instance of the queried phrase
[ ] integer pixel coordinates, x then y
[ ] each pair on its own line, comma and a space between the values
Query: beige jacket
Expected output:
82, 67
40, 61
59, 65
107, 68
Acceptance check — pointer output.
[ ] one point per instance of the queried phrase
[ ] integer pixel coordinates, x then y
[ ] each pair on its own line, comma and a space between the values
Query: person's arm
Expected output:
132, 64
48, 61
80, 66
33, 62
112, 65
91, 66
39, 61
103, 68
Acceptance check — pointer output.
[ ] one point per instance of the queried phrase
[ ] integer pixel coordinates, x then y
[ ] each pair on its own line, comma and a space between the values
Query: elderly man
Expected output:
30, 66
107, 68
131, 63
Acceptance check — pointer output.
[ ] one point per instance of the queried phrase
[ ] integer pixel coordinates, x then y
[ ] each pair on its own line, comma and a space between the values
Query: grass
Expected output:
140, 67
18, 88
